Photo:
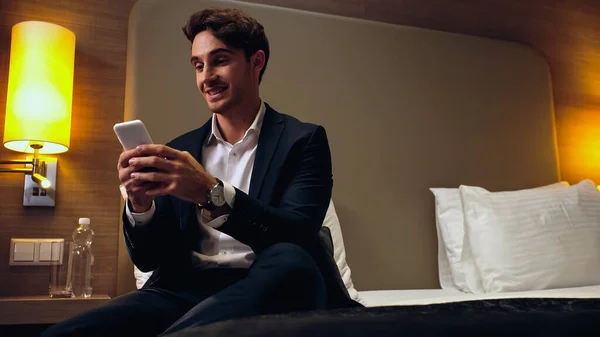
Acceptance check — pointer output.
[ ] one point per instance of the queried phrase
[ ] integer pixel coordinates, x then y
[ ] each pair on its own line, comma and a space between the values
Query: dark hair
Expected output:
233, 27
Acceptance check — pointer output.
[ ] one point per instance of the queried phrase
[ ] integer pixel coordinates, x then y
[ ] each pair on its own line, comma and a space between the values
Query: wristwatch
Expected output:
215, 197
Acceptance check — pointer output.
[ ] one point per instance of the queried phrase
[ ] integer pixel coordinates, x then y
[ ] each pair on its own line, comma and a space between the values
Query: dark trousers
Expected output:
283, 278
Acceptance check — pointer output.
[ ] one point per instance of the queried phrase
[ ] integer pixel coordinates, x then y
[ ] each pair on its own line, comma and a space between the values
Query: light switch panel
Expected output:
23, 251
35, 252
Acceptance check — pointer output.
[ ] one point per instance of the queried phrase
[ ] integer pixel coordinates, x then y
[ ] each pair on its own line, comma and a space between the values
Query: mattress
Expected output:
376, 298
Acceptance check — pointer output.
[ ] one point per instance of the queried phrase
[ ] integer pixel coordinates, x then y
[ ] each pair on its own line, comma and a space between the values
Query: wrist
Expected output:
210, 183
203, 195
214, 196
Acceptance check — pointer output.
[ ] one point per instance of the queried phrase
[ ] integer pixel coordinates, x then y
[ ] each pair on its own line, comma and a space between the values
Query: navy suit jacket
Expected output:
289, 194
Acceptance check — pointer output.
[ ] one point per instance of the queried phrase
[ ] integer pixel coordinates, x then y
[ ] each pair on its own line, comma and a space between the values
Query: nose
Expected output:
208, 76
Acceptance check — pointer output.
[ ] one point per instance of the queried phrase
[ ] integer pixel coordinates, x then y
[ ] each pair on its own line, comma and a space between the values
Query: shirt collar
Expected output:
254, 128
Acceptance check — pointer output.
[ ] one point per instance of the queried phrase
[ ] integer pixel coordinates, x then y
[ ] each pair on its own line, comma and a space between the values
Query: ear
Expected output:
258, 62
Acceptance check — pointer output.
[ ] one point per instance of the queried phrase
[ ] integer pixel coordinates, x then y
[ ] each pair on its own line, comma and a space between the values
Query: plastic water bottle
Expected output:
81, 259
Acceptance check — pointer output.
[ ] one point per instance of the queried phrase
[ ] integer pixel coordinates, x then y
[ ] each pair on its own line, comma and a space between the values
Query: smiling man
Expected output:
231, 211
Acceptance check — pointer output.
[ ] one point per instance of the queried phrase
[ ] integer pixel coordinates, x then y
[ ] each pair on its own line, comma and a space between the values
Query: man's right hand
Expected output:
140, 201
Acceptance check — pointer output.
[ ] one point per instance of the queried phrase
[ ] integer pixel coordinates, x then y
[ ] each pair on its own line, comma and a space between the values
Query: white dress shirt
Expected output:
232, 164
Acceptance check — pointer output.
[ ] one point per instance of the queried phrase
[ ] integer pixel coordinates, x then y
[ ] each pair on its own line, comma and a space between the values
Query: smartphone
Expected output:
132, 134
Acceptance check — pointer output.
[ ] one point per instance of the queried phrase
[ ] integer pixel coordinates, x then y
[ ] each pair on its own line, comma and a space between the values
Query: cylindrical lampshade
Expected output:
40, 87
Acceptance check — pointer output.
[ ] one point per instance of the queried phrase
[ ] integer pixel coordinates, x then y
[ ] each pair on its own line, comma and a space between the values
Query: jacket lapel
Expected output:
188, 209
270, 133
195, 148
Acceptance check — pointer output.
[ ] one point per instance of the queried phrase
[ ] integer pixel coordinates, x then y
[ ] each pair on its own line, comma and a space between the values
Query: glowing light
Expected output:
40, 87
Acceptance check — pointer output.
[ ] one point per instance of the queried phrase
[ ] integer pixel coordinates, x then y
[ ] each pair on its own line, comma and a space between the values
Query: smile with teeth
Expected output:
215, 91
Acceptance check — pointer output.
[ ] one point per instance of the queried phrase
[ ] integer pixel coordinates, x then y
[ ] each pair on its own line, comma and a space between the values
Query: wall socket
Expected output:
34, 194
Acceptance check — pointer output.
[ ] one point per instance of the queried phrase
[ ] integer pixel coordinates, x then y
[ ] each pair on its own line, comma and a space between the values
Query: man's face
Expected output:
223, 75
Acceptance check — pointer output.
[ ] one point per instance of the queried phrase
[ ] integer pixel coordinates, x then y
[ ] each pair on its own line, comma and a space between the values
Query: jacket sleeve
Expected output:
302, 208
152, 242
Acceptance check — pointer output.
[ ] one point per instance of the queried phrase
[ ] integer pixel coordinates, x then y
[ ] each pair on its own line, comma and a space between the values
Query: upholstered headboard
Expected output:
405, 109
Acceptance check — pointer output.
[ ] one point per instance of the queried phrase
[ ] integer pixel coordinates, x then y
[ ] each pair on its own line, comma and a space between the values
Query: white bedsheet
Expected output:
374, 298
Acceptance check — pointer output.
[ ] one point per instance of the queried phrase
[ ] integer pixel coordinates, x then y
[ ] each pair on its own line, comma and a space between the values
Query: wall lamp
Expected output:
37, 170
39, 100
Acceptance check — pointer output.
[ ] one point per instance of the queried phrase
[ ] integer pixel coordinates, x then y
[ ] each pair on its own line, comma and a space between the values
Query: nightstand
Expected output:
43, 309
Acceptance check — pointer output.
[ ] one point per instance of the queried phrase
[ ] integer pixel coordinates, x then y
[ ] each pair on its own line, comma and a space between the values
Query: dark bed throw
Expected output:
505, 317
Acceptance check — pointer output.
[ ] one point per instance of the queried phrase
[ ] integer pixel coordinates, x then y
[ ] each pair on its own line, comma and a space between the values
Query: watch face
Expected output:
217, 196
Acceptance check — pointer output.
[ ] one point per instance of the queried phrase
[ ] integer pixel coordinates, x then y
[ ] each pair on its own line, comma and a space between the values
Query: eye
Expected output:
222, 60
199, 66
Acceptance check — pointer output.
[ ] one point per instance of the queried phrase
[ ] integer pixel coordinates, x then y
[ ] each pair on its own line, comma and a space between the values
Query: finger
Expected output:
125, 173
131, 185
135, 183
125, 157
140, 189
159, 177
158, 150
160, 189
137, 190
152, 161
134, 186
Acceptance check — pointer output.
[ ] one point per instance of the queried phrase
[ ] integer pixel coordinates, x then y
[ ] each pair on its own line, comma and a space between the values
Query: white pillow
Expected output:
444, 270
339, 254
533, 239
450, 224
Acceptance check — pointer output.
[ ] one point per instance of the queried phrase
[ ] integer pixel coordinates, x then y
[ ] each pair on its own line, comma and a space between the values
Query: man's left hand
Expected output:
178, 173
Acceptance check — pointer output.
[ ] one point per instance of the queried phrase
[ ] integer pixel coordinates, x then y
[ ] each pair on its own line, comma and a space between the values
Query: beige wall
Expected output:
566, 33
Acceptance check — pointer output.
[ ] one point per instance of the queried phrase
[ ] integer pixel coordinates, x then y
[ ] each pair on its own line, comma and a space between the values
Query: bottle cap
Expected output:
84, 221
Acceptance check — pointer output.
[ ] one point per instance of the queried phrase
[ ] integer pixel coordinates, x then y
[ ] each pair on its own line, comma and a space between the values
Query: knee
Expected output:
290, 258
284, 248
289, 253
293, 275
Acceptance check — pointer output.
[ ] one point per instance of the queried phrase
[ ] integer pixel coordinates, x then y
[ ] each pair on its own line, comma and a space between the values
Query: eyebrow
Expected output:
213, 52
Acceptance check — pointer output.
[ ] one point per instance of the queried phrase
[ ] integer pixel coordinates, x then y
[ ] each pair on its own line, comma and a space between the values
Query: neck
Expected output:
233, 124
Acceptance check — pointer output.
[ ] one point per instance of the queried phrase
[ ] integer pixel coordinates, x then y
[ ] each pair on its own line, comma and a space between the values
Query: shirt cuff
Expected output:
229, 191
206, 220
139, 219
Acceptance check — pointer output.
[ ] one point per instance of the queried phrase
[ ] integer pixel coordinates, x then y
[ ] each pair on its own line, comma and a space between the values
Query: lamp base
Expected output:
34, 194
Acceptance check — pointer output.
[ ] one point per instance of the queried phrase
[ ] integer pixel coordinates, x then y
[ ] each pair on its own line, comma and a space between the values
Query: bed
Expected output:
432, 110
502, 317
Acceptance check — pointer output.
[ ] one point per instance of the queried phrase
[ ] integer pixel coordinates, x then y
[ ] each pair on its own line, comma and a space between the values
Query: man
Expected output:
227, 213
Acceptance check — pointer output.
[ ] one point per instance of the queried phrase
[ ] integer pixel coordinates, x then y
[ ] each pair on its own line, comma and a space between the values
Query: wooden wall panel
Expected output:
87, 183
